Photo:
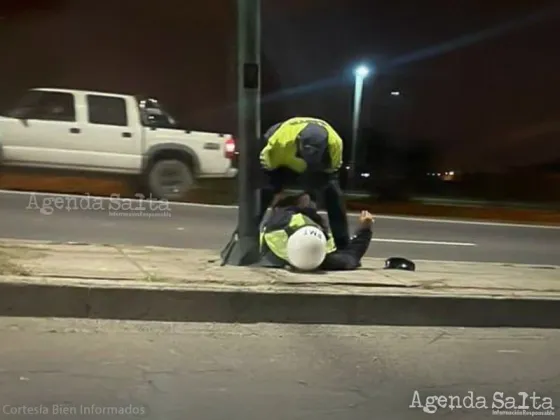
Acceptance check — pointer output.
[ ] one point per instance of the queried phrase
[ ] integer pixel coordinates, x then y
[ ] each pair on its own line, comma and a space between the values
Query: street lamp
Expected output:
361, 71
360, 74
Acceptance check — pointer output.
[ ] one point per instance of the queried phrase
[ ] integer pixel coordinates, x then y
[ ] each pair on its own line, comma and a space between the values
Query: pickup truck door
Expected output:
38, 130
111, 139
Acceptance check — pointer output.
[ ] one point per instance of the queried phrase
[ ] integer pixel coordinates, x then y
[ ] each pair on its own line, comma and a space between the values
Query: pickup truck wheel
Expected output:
170, 179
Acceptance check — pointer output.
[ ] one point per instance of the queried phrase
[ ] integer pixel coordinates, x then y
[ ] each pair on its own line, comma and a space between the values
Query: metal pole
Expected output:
245, 248
358, 88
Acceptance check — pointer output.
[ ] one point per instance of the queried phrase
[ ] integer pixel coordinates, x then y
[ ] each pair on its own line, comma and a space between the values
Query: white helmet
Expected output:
307, 248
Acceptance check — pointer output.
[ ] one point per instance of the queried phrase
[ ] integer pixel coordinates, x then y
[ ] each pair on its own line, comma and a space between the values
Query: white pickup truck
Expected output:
112, 133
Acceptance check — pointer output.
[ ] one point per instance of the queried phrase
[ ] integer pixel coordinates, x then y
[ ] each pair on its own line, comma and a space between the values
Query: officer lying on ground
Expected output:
309, 152
296, 235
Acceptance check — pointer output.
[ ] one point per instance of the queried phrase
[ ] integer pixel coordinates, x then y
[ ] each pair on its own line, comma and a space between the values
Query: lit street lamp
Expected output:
360, 74
362, 71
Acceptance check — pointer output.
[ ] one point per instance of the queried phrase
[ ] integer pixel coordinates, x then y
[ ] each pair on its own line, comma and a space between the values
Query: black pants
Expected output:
350, 257
323, 184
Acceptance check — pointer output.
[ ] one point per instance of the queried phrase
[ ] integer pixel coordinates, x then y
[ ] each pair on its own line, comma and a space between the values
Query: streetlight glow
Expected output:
361, 71
395, 93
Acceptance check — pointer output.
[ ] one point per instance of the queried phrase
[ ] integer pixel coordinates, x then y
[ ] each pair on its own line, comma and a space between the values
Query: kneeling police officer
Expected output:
309, 151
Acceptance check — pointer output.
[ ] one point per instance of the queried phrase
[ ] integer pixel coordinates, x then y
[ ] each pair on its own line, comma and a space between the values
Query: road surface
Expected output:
93, 219
204, 371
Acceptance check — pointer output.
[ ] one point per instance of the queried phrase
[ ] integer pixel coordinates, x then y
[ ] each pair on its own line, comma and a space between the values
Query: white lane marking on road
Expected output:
509, 351
419, 242
379, 216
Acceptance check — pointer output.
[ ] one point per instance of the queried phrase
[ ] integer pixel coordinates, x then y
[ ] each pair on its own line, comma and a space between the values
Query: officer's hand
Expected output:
366, 219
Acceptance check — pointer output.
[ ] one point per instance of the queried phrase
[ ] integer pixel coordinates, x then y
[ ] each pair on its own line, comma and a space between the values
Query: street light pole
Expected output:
360, 73
243, 249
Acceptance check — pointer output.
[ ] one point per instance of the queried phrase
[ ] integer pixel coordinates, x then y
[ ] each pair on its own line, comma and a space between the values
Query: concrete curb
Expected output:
152, 303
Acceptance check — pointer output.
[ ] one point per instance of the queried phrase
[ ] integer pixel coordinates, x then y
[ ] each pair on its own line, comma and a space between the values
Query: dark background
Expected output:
479, 79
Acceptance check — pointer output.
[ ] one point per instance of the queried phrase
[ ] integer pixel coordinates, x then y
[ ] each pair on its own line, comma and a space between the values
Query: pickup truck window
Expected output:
107, 110
25, 104
42, 105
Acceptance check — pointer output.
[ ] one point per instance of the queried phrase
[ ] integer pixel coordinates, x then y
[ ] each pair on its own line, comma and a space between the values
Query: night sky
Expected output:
480, 77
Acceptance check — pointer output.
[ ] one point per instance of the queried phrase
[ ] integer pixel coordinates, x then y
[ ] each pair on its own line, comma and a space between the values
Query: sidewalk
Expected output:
81, 280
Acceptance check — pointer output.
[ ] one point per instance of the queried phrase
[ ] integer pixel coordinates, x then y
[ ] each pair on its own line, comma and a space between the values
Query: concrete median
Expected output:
26, 180
512, 215
151, 283
205, 191
223, 192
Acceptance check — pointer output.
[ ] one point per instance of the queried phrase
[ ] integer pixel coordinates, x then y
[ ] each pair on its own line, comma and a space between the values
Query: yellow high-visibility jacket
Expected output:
281, 147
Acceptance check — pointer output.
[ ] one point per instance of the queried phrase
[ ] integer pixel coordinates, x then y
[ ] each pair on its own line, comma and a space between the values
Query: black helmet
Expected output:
313, 147
399, 263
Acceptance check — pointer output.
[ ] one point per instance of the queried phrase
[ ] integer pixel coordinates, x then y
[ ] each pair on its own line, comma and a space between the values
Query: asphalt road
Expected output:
204, 371
92, 219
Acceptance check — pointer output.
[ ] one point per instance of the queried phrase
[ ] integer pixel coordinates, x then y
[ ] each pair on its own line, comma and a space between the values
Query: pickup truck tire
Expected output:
170, 179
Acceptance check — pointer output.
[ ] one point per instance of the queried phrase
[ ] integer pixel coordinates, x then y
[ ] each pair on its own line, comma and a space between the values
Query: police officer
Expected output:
298, 214
308, 151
